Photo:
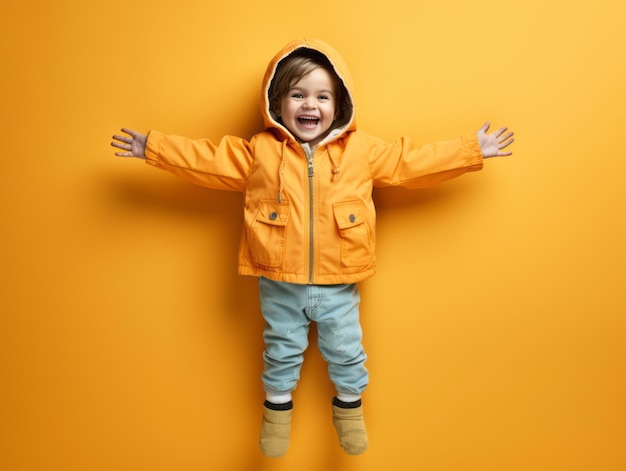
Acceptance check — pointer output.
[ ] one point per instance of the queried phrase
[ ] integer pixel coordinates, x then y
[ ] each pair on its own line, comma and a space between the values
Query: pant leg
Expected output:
340, 337
285, 334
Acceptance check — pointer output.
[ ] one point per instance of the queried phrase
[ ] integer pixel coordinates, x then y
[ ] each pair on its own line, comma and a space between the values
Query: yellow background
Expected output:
496, 325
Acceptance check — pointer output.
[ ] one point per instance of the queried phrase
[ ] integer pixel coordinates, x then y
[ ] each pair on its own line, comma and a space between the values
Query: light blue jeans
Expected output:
288, 310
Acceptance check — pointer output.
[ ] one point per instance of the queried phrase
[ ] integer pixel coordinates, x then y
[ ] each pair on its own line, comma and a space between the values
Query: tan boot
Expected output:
275, 431
350, 428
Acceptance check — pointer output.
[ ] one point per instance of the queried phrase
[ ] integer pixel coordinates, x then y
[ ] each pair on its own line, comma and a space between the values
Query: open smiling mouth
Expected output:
308, 121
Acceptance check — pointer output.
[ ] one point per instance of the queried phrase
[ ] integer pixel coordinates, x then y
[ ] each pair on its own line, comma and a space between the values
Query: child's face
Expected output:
308, 108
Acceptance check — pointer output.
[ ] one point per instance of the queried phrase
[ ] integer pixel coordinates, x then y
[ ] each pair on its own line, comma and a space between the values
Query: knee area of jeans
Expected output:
343, 355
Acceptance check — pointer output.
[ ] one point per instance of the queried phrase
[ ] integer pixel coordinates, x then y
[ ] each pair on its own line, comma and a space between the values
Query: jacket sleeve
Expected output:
402, 163
222, 166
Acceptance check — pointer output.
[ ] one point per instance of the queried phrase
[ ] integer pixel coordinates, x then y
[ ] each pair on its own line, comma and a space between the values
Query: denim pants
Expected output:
288, 310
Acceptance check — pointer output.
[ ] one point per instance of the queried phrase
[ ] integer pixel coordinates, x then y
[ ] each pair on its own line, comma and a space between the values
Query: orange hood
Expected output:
271, 121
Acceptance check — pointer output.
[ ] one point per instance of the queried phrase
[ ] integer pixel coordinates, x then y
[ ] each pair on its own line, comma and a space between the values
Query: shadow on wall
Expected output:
171, 195
133, 201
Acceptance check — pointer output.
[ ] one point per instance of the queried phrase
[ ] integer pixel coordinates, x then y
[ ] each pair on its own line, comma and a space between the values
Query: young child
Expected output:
309, 218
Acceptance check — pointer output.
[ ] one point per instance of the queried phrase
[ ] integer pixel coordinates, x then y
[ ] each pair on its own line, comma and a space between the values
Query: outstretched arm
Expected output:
134, 146
492, 144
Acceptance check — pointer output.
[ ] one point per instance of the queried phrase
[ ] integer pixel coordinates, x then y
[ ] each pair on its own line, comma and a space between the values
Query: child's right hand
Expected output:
135, 145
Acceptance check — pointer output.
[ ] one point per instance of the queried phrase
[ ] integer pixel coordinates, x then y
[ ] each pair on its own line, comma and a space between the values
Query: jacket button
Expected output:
352, 218
273, 215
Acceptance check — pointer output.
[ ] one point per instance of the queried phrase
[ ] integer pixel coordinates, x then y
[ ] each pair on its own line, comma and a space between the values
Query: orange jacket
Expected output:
309, 216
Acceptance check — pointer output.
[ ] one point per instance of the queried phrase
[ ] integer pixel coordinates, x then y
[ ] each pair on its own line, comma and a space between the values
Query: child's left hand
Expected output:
492, 144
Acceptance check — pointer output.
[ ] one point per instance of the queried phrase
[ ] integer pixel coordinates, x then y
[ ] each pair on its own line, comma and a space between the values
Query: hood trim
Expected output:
271, 121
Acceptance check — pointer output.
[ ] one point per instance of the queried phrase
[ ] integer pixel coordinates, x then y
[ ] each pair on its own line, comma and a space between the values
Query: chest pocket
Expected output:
267, 233
356, 237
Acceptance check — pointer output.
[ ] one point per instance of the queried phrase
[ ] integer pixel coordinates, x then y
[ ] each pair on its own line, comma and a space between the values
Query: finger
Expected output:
120, 145
129, 131
500, 131
485, 127
506, 136
125, 139
502, 145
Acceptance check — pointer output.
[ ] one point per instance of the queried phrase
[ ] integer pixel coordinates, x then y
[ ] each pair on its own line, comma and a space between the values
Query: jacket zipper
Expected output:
309, 156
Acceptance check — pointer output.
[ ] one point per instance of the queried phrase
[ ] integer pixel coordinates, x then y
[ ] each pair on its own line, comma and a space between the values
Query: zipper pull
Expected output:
311, 172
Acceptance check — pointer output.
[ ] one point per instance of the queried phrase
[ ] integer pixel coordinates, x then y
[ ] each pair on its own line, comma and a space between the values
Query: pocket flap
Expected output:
348, 214
273, 212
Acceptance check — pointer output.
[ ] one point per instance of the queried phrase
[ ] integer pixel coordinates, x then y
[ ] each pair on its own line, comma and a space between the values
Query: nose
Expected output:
309, 103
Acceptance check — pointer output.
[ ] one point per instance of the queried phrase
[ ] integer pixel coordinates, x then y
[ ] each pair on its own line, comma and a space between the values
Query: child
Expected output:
309, 218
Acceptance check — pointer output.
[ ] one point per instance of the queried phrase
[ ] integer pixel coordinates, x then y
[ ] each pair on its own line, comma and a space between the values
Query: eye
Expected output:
324, 97
297, 95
